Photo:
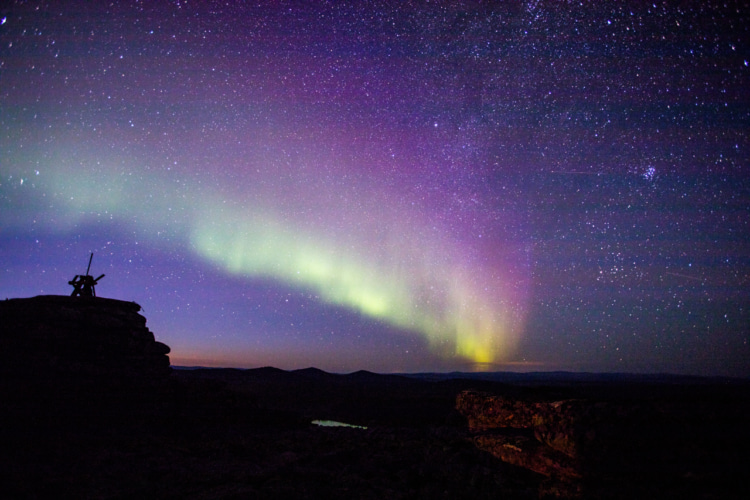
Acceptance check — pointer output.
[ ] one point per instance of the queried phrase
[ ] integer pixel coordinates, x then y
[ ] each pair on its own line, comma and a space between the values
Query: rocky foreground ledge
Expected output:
676, 442
53, 336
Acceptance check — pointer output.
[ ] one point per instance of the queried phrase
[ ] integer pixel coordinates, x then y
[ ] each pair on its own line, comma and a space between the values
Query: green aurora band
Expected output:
348, 242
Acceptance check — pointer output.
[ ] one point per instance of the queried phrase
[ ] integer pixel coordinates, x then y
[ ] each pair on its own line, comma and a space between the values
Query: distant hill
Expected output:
578, 377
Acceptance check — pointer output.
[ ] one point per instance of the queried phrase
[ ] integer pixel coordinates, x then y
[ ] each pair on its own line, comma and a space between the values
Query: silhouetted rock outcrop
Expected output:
52, 336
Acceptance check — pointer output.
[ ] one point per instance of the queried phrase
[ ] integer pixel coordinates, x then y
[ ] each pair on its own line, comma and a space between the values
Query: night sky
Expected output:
389, 186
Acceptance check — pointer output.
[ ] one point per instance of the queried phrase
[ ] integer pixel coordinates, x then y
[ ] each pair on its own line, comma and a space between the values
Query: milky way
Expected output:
389, 186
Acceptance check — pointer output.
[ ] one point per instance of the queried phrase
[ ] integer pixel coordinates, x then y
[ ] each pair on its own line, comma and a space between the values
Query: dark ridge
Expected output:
315, 373
266, 371
89, 408
364, 376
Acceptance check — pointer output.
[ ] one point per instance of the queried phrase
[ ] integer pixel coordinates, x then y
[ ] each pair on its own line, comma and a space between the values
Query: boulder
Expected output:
488, 411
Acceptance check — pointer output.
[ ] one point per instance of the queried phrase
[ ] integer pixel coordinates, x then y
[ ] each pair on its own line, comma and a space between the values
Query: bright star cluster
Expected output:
386, 185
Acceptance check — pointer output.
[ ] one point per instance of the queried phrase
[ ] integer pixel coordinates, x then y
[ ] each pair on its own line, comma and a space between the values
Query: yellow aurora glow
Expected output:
437, 299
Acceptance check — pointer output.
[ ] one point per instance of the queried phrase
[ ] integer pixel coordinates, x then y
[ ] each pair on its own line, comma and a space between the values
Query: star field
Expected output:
389, 186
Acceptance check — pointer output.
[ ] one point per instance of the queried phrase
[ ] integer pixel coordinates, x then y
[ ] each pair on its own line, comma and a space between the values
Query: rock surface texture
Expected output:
53, 336
528, 434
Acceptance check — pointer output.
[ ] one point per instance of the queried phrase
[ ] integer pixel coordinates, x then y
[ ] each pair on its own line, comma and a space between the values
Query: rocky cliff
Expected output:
51, 337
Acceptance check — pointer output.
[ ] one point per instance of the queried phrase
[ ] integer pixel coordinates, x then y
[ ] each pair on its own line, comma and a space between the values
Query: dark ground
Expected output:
216, 433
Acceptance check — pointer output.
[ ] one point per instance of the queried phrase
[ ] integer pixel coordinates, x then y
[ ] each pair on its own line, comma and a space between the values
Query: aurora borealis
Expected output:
390, 186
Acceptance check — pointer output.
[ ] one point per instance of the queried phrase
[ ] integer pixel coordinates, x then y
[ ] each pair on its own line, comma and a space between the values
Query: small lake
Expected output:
333, 423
